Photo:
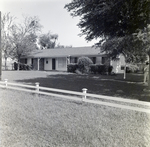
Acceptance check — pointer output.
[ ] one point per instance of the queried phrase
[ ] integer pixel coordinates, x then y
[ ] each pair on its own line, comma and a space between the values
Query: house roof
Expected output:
65, 52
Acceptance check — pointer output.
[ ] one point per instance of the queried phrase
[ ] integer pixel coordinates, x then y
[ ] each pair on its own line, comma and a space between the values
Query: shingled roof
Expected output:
64, 52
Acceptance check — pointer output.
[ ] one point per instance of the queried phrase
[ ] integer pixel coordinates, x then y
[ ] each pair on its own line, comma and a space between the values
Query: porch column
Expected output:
68, 59
38, 64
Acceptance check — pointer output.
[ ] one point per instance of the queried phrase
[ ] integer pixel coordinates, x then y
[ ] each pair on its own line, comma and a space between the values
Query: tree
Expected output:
144, 37
6, 24
47, 41
110, 18
23, 37
63, 46
114, 23
111, 21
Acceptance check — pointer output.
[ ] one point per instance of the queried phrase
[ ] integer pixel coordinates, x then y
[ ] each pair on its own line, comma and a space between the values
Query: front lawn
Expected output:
30, 121
132, 87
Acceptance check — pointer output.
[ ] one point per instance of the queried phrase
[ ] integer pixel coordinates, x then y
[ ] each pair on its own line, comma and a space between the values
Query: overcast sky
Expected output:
53, 17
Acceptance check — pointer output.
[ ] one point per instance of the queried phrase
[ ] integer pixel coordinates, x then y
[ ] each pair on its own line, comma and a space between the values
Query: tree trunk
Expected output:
149, 73
124, 77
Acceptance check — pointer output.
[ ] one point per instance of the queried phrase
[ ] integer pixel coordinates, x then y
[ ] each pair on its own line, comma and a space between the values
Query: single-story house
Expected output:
57, 59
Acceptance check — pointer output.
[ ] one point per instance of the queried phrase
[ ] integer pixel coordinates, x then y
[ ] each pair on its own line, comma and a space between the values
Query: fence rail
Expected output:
79, 96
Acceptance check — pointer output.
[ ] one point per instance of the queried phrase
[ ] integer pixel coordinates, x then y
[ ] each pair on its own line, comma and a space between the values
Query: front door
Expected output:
53, 64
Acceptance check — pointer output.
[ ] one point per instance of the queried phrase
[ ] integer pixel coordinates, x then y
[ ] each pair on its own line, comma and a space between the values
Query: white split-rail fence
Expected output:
129, 104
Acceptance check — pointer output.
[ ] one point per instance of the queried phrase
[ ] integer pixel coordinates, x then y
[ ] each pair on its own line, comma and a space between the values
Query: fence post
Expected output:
6, 80
84, 90
37, 87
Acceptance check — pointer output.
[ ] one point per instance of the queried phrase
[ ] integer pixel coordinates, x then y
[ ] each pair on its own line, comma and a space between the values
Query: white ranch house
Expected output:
57, 59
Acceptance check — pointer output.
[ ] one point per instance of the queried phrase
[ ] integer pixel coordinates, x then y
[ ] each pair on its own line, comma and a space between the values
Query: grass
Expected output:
132, 87
27, 120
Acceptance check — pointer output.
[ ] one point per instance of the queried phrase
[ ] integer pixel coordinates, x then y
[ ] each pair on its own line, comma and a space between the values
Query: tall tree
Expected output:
47, 41
23, 37
110, 18
113, 22
6, 24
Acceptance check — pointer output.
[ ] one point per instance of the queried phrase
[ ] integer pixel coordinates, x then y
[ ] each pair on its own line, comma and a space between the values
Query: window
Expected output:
46, 61
122, 67
25, 60
94, 60
75, 60
32, 61
61, 62
103, 60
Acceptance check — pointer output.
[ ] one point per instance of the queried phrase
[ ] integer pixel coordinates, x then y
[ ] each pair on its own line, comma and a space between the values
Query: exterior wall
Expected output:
26, 61
118, 65
61, 64
35, 65
47, 64
29, 61
98, 60
75, 59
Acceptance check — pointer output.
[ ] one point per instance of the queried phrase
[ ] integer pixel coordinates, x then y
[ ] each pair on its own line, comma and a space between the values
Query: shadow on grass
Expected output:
131, 87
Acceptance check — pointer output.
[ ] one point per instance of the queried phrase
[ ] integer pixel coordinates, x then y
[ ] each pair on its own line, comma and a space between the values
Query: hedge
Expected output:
22, 66
72, 67
100, 69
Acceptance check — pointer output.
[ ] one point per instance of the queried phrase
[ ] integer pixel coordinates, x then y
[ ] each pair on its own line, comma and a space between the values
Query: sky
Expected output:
53, 17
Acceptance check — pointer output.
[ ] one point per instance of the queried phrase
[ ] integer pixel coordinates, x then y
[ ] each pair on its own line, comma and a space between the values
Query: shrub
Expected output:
101, 69
22, 66
84, 64
72, 67
93, 68
132, 68
109, 69
15, 66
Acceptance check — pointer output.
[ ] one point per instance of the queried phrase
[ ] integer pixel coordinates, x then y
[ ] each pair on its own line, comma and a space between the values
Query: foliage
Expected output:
131, 68
100, 69
6, 23
84, 64
22, 66
132, 49
101, 18
113, 22
93, 68
144, 37
23, 37
47, 41
63, 46
72, 67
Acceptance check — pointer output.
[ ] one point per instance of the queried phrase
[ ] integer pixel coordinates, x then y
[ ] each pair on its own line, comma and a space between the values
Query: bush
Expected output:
72, 67
84, 64
22, 66
93, 68
100, 68
109, 69
130, 68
